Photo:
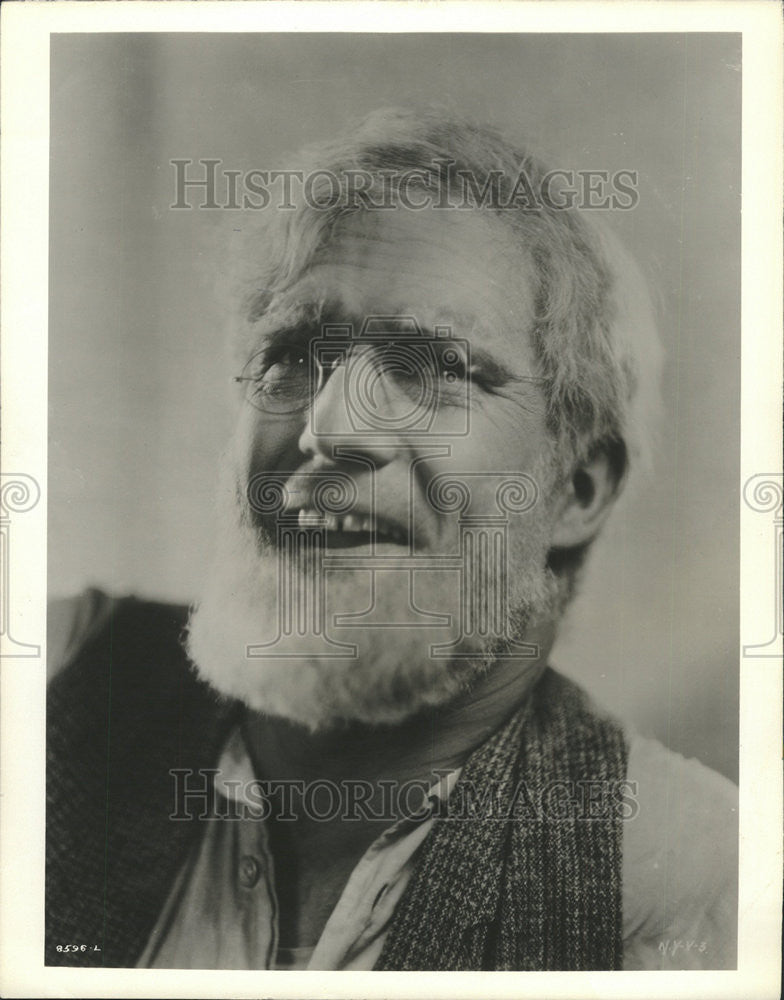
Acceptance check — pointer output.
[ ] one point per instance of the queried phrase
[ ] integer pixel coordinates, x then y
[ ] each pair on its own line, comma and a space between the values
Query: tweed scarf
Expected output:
521, 887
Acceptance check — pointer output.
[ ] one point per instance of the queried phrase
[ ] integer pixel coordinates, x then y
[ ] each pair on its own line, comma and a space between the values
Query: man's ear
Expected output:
588, 497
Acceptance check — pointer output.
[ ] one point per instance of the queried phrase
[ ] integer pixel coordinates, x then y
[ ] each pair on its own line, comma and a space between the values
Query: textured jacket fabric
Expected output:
500, 883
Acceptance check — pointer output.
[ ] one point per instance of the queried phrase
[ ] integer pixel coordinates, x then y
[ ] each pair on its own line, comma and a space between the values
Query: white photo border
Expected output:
25, 226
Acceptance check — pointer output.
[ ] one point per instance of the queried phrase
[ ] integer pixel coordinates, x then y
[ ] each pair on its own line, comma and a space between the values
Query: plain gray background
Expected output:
136, 357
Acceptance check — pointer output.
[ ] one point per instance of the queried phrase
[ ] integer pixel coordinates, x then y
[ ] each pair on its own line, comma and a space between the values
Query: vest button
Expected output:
250, 871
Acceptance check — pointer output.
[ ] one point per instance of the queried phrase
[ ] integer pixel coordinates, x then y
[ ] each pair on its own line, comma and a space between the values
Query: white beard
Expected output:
392, 677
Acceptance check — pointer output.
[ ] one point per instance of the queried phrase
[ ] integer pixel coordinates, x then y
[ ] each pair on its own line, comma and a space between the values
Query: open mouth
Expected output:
343, 531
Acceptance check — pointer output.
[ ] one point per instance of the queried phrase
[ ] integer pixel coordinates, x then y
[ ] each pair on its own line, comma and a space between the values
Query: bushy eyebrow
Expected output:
498, 372
298, 328
289, 333
307, 324
491, 367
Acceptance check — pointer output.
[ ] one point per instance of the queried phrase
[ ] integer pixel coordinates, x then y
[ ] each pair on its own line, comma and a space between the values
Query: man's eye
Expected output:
284, 361
453, 367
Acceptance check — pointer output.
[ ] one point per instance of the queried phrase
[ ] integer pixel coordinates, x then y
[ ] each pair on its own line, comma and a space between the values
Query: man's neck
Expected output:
315, 855
435, 740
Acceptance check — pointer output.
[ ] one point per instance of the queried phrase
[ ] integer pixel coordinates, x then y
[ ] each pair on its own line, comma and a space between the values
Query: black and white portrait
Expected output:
392, 496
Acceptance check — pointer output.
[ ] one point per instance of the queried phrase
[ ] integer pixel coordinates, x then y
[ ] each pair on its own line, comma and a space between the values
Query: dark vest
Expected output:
522, 870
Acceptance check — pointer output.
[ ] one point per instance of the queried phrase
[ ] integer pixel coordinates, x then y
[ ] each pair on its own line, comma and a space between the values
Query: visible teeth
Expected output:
307, 517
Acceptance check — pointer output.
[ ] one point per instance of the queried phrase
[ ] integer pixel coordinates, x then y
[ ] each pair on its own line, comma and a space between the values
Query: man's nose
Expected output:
331, 422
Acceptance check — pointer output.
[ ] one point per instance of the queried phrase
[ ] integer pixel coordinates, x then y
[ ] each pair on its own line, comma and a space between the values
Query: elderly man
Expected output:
352, 754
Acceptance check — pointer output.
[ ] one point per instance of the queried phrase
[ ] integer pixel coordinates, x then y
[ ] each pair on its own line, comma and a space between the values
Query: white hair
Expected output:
594, 333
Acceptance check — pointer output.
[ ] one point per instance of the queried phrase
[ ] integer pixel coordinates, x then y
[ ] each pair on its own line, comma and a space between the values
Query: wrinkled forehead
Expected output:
455, 269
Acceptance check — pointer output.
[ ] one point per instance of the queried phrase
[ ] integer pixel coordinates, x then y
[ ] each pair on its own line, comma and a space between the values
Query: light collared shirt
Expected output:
222, 910
679, 879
